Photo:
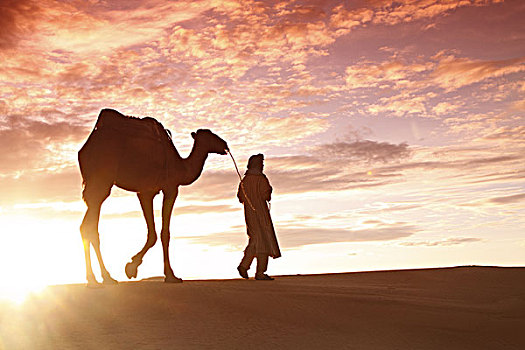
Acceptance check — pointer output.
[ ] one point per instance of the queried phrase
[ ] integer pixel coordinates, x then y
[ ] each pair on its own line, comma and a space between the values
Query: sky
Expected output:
393, 131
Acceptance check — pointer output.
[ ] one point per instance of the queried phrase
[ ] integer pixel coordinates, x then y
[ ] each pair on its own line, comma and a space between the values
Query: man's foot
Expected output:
263, 277
243, 272
172, 279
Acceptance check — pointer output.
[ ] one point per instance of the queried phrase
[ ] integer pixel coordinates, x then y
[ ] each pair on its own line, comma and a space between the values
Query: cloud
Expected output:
465, 165
326, 169
359, 165
501, 175
212, 185
17, 20
388, 208
345, 20
508, 199
41, 186
31, 144
336, 166
514, 134
295, 237
404, 85
253, 35
38, 158
180, 210
443, 243
390, 73
453, 73
37, 143
330, 167
93, 27
445, 108
250, 70
297, 174
276, 130
319, 180
400, 105
365, 150
392, 12
47, 210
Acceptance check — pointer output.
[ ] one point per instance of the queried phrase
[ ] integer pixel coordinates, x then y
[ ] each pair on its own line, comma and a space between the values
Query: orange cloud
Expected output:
392, 12
17, 21
400, 105
390, 73
85, 29
453, 73
252, 71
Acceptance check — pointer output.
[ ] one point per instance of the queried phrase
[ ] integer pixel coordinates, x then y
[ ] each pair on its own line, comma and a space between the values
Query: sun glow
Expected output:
19, 291
37, 252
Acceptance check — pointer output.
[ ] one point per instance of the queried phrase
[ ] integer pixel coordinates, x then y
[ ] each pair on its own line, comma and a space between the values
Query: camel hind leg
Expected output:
94, 196
146, 202
167, 207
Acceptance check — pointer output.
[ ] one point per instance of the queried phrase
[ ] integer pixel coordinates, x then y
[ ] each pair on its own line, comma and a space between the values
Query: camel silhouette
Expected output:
138, 155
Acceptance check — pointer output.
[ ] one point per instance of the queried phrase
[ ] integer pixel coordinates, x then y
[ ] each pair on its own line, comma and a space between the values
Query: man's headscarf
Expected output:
255, 164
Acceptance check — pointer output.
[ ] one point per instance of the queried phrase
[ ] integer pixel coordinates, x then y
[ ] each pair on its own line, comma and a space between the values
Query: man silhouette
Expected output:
255, 193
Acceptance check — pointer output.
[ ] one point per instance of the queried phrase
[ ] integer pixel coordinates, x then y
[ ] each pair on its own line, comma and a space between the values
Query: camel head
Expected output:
209, 141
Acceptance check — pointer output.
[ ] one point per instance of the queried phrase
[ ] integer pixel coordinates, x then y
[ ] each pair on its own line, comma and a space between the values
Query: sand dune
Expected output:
452, 308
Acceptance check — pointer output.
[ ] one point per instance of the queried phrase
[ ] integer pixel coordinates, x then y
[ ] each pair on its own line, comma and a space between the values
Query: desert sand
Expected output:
449, 308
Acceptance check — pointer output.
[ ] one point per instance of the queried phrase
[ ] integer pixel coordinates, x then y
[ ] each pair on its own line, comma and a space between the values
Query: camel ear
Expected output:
193, 135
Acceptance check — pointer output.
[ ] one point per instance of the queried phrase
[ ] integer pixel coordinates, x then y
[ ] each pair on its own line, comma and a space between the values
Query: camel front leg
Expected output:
167, 207
146, 202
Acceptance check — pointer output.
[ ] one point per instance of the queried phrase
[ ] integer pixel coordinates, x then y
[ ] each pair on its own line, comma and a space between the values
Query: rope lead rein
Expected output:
240, 178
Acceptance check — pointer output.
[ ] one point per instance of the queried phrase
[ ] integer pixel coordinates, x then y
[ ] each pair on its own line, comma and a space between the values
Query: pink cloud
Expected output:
41, 186
295, 236
509, 199
516, 134
27, 144
363, 151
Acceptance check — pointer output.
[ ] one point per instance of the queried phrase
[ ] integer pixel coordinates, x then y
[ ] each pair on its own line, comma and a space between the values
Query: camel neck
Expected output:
194, 164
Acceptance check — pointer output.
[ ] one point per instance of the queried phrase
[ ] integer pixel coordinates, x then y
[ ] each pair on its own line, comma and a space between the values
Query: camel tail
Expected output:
82, 170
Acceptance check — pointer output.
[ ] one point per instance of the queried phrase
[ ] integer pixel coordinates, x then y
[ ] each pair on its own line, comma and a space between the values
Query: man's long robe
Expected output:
258, 222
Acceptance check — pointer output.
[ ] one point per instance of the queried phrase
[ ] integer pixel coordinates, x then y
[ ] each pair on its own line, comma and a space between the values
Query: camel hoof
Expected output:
172, 279
109, 280
131, 270
93, 284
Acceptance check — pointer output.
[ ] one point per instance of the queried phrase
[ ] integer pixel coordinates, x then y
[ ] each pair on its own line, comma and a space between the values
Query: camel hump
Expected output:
112, 120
